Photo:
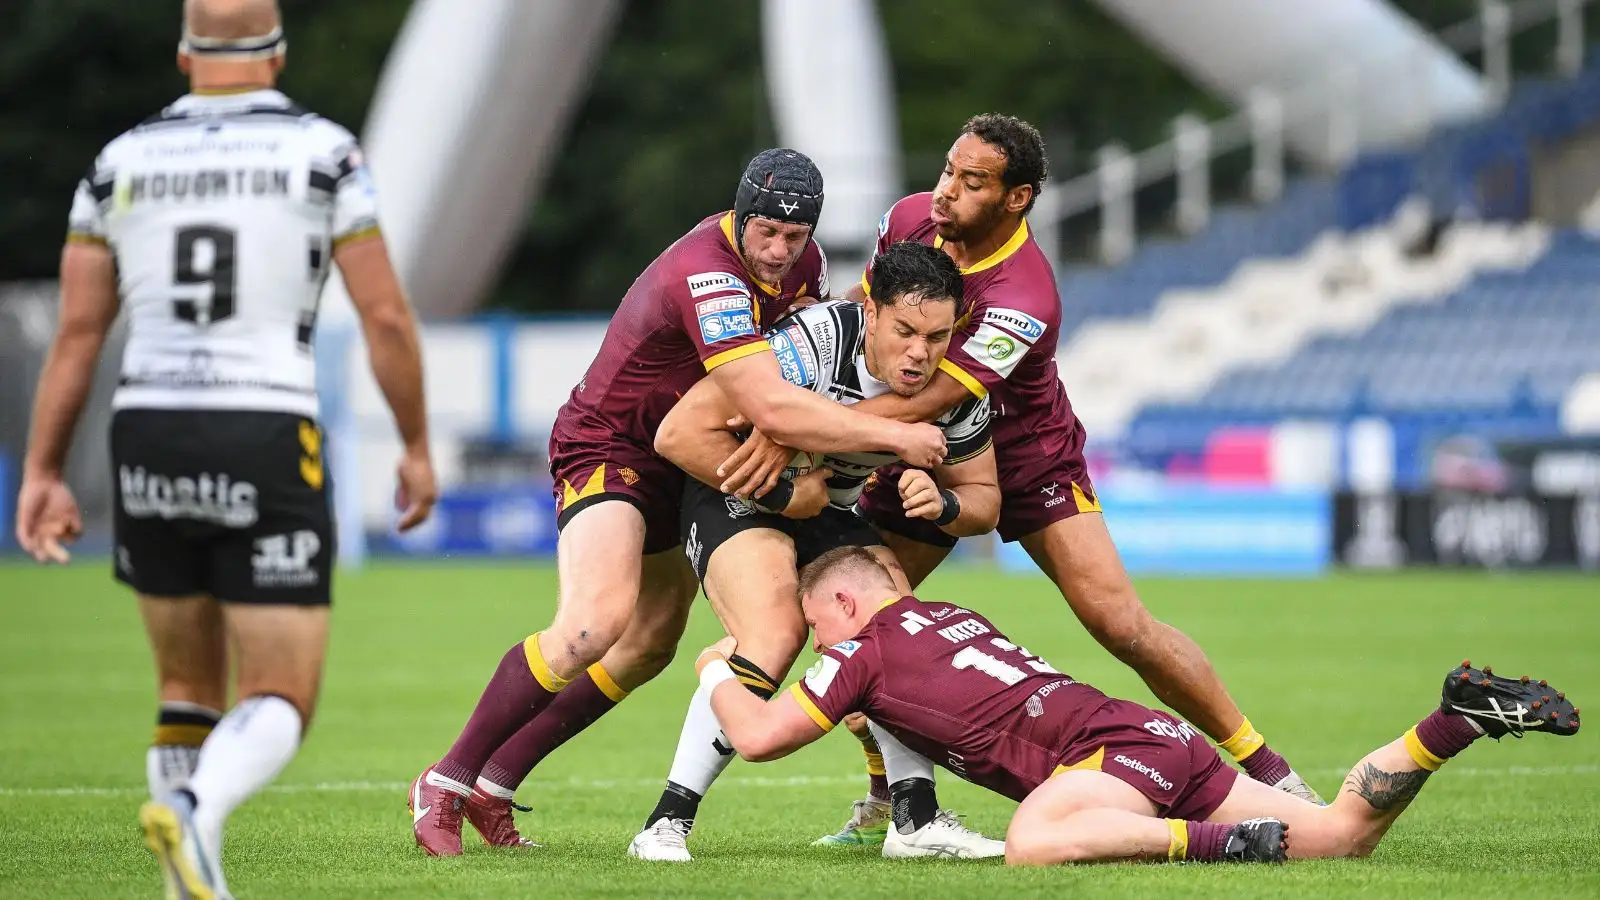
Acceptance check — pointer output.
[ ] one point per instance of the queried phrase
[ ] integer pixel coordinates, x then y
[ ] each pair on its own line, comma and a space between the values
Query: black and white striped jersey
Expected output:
822, 349
223, 212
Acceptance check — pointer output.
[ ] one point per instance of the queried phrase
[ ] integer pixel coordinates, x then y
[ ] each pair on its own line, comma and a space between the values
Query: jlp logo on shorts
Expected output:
206, 497
284, 560
1145, 770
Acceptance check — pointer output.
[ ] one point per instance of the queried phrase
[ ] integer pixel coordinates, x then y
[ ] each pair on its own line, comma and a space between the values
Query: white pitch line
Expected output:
756, 781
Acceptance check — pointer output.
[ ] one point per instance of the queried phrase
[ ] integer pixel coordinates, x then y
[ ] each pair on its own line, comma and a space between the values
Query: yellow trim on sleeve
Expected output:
810, 708
87, 239
369, 231
1012, 245
974, 455
967, 381
739, 352
607, 685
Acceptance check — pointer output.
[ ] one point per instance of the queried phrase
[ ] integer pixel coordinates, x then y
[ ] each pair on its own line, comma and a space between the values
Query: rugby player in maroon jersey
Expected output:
698, 308
1098, 778
977, 213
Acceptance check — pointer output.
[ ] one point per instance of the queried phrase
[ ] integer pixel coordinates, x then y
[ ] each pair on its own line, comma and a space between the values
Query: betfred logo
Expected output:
715, 283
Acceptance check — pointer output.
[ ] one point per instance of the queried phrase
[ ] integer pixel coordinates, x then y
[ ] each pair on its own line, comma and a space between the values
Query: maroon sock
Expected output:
880, 787
1206, 839
512, 697
579, 705
1446, 735
1266, 766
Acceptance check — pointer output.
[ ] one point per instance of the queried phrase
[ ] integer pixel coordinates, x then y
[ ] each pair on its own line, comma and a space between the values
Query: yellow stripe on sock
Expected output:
1244, 742
1178, 843
1421, 755
874, 762
752, 677
181, 735
607, 685
541, 670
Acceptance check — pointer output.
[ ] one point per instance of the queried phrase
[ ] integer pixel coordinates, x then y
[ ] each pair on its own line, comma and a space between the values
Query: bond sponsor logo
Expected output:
964, 630
1017, 322
1147, 771
286, 560
1183, 731
205, 498
821, 674
715, 283
847, 648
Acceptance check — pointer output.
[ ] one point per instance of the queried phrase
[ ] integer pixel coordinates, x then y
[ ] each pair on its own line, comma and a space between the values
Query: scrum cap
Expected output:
783, 185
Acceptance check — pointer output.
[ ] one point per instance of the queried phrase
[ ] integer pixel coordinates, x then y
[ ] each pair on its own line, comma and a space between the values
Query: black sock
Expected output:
914, 804
677, 802
751, 676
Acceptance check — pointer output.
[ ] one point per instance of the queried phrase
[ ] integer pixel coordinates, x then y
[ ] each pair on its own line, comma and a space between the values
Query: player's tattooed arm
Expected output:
1382, 790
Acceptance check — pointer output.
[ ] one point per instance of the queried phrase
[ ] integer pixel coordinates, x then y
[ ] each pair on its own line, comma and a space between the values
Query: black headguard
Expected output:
783, 185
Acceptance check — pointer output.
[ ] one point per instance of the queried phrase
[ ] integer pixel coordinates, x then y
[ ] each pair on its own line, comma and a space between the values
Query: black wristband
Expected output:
776, 500
952, 507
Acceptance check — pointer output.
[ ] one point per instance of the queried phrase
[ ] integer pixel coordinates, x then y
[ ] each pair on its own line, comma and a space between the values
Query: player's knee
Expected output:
1027, 847
1126, 630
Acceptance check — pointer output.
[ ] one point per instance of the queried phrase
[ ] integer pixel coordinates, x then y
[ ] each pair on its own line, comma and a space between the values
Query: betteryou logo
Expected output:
1144, 770
285, 560
205, 497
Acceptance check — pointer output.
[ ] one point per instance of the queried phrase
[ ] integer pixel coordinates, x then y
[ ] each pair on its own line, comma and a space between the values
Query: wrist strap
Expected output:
776, 500
952, 507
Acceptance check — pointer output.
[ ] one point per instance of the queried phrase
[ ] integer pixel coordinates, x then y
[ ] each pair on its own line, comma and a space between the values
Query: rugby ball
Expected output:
802, 463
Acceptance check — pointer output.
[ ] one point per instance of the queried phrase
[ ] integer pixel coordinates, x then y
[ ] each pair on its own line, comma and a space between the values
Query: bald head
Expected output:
230, 19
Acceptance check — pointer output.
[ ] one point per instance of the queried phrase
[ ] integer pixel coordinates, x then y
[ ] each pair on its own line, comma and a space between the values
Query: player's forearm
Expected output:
743, 719
697, 451
396, 355
64, 384
941, 395
980, 510
797, 418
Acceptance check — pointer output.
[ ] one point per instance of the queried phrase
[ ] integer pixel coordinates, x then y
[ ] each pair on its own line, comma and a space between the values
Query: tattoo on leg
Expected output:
1382, 790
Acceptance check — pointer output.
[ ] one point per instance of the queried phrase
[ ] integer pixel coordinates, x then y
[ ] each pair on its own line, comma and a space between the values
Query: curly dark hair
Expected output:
1020, 144
910, 268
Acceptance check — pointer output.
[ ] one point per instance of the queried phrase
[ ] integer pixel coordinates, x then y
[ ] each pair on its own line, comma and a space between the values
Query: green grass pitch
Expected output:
1326, 668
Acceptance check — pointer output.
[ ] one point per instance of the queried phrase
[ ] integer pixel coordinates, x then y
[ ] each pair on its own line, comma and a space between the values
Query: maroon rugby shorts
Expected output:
1161, 756
590, 469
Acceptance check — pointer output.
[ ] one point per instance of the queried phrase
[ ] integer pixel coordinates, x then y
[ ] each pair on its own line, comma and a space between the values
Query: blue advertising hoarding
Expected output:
1197, 530
497, 520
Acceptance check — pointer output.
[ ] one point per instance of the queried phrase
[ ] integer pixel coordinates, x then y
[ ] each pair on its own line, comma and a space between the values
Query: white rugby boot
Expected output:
945, 837
664, 840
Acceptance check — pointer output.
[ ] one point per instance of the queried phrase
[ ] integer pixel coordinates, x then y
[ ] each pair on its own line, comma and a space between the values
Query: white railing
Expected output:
1261, 126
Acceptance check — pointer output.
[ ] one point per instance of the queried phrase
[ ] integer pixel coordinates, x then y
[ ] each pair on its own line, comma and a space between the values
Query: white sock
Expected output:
698, 762
490, 789
248, 749
899, 761
168, 767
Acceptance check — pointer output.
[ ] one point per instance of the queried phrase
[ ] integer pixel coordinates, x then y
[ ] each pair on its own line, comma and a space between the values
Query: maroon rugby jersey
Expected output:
950, 686
693, 309
1006, 342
